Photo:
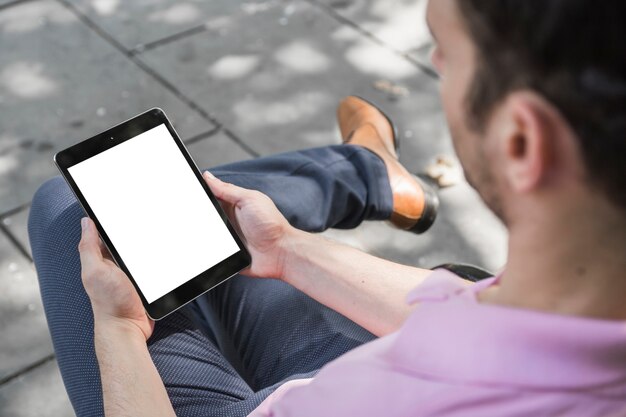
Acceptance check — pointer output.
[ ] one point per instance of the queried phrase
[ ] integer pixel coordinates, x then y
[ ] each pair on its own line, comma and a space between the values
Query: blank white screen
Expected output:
154, 210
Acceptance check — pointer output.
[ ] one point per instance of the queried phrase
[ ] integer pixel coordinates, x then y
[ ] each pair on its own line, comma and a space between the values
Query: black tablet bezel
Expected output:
127, 130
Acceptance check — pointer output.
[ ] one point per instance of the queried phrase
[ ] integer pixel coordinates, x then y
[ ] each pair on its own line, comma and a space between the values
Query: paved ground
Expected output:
240, 80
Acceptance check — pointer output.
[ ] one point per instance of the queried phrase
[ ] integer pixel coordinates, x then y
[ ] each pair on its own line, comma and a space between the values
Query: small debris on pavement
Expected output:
391, 88
445, 171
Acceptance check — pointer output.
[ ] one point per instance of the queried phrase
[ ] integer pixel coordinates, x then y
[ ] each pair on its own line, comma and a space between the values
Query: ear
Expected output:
529, 141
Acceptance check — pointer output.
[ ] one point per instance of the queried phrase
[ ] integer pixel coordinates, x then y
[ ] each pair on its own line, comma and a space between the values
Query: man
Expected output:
534, 93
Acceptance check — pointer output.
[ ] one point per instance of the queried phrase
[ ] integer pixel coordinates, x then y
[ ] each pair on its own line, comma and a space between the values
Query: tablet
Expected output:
154, 211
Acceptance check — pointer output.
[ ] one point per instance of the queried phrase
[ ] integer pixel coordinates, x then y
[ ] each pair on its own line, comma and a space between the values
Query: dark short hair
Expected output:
573, 53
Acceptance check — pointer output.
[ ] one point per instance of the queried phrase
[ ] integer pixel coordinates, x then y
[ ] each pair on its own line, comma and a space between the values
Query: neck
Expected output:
572, 263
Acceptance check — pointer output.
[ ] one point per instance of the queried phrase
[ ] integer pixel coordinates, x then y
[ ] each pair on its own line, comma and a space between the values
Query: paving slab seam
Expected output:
13, 3
14, 210
428, 71
147, 46
344, 20
241, 143
200, 136
251, 152
16, 243
143, 47
141, 64
27, 369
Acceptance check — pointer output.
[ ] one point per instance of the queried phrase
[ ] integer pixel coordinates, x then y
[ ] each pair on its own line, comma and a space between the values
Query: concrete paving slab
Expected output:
275, 77
422, 54
61, 83
140, 22
25, 338
6, 2
17, 225
39, 393
399, 24
215, 150
461, 234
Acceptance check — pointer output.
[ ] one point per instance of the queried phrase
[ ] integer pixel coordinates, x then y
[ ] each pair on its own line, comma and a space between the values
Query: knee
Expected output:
52, 196
52, 200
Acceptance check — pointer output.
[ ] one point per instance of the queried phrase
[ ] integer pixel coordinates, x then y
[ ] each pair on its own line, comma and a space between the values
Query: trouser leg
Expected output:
351, 178
319, 188
268, 329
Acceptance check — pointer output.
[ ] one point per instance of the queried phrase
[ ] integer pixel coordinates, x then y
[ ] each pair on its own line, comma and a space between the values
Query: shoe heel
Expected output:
431, 208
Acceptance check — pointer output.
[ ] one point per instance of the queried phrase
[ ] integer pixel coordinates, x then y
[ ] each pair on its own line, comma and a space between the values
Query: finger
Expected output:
89, 246
225, 191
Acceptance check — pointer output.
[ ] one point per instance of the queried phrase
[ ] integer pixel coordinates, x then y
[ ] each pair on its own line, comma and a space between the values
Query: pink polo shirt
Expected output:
456, 357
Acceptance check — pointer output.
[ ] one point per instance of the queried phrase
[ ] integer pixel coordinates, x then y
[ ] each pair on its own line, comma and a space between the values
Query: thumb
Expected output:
89, 246
226, 192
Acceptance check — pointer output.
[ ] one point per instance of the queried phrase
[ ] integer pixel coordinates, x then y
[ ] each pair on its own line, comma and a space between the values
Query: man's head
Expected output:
535, 93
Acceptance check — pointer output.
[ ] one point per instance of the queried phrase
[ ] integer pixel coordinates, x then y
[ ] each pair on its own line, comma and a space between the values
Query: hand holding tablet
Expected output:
111, 293
153, 210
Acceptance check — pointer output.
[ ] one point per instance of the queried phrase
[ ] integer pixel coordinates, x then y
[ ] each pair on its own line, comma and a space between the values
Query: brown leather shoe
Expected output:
415, 203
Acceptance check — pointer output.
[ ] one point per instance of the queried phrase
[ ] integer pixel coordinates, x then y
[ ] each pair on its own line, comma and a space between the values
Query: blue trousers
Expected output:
224, 353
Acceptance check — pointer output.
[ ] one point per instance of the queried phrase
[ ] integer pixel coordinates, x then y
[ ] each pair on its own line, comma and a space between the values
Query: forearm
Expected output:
368, 290
131, 385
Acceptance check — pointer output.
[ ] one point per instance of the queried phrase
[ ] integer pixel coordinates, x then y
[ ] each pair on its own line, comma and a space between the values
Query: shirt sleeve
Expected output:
366, 369
265, 408
443, 284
